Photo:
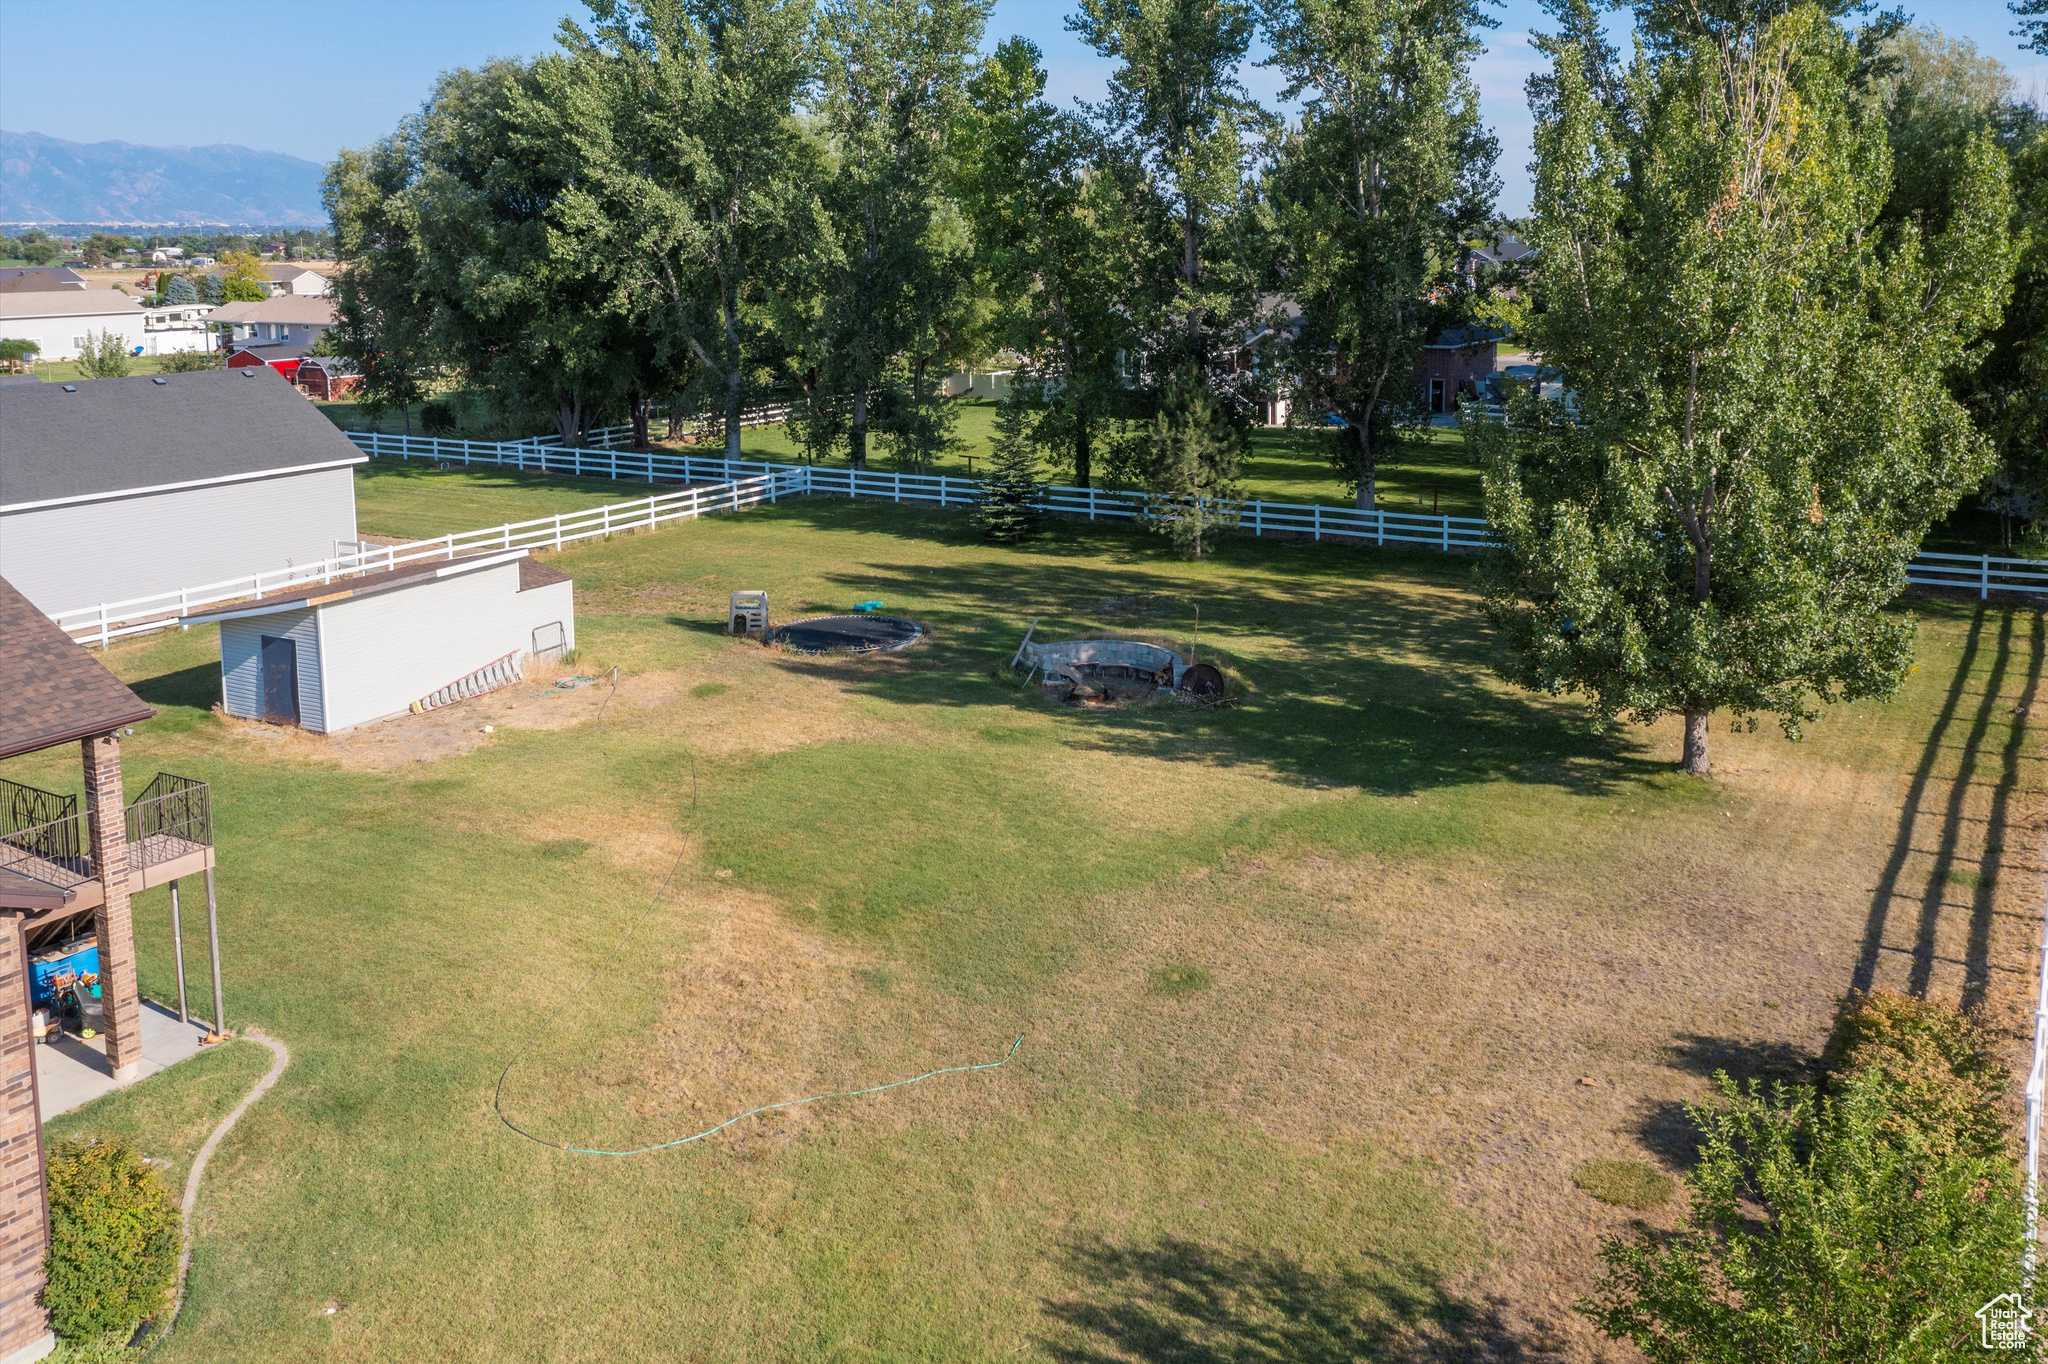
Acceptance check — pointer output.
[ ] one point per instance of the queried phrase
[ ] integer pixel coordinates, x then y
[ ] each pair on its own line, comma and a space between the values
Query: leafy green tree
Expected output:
1389, 172
2033, 29
1936, 96
895, 74
18, 351
704, 165
1868, 1224
1055, 242
1187, 458
1756, 433
1008, 510
103, 355
381, 321
242, 279
1180, 114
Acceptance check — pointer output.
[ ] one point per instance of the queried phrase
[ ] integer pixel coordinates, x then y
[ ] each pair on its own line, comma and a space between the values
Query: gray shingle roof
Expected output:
115, 435
51, 690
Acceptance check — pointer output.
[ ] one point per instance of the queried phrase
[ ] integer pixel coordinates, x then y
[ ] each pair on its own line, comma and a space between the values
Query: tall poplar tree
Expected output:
895, 74
1053, 237
1389, 172
700, 163
1756, 432
1183, 116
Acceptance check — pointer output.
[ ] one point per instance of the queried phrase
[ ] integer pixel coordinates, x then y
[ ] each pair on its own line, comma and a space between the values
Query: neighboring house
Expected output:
331, 656
1506, 251
297, 280
39, 278
177, 327
112, 489
164, 255
283, 321
1455, 361
60, 320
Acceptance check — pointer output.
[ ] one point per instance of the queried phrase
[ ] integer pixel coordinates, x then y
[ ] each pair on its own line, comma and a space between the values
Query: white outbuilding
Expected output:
330, 657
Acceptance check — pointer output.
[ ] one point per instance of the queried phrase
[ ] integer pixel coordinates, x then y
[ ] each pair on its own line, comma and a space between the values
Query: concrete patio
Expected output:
74, 1072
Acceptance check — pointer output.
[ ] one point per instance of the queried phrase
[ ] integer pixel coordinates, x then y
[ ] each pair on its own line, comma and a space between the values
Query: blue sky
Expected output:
311, 76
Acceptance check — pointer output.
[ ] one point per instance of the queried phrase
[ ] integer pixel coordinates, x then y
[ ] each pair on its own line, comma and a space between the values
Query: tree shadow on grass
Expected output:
1181, 1302
1669, 1131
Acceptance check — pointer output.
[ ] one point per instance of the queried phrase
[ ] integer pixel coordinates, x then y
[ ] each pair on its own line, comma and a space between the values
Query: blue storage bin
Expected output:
84, 962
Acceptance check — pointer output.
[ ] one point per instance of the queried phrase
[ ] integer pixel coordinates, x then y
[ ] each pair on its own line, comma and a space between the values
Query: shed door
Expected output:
280, 680
1436, 395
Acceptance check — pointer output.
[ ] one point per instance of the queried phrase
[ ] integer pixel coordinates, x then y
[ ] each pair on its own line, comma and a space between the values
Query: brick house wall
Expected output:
1458, 369
24, 1212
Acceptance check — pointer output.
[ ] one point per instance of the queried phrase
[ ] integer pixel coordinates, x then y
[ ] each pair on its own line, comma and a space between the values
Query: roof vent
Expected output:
249, 370
159, 380
71, 388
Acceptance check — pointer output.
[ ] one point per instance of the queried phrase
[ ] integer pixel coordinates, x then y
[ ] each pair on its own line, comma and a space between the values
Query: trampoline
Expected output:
847, 634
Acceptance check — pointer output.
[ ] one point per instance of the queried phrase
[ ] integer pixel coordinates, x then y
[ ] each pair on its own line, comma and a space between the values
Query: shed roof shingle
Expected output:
121, 435
51, 690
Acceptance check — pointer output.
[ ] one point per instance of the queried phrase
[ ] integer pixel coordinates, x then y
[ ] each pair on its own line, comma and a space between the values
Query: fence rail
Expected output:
715, 484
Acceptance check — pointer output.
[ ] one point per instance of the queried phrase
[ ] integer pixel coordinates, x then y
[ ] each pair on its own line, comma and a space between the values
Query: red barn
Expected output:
327, 376
242, 357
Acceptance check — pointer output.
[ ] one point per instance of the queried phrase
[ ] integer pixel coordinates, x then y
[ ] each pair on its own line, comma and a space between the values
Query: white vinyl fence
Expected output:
719, 485
660, 466
109, 621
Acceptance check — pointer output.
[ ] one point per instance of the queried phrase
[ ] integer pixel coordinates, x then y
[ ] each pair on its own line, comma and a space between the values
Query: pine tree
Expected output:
180, 290
1007, 512
1188, 458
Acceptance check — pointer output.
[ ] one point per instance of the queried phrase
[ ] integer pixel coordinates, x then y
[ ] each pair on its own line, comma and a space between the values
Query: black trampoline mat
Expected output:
846, 634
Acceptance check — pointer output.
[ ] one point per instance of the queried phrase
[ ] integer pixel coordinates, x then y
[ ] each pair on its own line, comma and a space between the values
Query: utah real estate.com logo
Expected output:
2006, 1322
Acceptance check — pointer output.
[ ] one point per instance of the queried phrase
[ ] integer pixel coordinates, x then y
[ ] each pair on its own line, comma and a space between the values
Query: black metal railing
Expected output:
172, 816
39, 824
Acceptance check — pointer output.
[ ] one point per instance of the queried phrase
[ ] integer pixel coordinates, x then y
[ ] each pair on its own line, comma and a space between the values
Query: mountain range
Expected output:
48, 180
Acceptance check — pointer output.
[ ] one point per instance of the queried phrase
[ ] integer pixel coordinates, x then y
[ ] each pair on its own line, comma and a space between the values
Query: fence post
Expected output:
450, 538
1316, 520
1091, 502
103, 625
558, 530
1447, 535
1984, 580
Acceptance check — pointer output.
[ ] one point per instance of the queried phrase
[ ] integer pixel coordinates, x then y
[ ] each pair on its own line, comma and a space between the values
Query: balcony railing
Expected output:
44, 835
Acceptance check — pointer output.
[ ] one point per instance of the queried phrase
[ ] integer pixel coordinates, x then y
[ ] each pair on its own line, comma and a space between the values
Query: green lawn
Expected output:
1308, 985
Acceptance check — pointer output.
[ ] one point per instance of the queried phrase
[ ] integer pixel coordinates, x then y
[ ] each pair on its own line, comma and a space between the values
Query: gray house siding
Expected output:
84, 553
241, 664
